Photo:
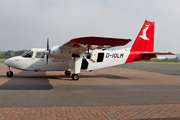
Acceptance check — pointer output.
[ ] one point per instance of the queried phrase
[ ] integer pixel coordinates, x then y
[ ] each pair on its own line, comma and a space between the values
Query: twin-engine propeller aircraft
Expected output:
87, 54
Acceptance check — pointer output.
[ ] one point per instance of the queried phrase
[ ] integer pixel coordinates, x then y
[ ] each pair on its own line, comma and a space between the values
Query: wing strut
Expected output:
88, 48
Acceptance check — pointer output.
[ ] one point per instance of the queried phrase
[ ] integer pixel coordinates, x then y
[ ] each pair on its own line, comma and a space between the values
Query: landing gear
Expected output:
67, 73
75, 76
9, 73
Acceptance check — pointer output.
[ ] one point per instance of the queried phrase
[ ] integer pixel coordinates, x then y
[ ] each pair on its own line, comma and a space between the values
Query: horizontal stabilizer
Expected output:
157, 53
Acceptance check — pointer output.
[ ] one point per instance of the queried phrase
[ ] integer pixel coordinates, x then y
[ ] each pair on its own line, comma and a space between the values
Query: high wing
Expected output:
92, 42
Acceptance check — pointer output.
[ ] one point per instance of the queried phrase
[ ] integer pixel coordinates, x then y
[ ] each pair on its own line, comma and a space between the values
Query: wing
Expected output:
92, 42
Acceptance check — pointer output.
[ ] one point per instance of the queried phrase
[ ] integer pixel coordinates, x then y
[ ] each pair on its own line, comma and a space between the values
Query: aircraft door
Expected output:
39, 61
94, 56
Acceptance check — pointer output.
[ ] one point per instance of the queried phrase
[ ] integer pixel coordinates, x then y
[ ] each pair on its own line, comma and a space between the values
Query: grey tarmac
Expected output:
128, 92
104, 86
170, 69
91, 95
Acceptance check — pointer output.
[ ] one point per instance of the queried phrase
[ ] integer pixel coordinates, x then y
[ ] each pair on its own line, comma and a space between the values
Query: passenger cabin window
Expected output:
27, 54
39, 55
100, 57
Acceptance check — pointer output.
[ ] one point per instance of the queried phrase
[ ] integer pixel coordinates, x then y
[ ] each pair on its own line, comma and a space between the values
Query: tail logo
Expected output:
144, 36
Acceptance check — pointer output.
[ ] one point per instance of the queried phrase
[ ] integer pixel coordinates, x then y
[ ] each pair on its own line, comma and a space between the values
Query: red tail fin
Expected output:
143, 43
145, 39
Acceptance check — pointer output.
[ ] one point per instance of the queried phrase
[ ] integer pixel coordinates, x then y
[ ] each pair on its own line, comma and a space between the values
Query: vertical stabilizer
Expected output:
145, 39
143, 43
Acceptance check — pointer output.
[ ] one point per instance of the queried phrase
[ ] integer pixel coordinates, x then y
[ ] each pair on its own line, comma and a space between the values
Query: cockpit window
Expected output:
28, 54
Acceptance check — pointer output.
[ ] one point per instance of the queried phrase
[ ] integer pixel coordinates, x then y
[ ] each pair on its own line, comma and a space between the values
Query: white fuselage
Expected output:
97, 59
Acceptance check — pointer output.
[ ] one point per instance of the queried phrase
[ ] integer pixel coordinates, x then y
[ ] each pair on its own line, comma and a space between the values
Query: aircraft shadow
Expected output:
29, 81
103, 76
61, 77
20, 82
81, 76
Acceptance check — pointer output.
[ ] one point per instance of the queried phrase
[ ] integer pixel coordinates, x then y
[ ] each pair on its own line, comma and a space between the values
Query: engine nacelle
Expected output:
59, 53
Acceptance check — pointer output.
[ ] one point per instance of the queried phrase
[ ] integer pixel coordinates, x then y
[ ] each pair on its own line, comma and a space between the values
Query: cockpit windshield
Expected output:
28, 54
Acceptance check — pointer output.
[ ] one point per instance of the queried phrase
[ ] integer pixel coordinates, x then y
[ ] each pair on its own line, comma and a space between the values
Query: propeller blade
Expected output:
47, 43
47, 59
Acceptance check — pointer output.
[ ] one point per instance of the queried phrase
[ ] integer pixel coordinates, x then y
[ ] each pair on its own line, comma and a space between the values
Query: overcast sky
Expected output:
26, 24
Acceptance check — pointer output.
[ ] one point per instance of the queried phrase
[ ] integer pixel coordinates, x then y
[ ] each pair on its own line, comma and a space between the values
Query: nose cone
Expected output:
14, 62
7, 62
11, 62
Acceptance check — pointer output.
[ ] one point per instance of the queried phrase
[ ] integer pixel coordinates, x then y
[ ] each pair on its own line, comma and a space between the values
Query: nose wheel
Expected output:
9, 73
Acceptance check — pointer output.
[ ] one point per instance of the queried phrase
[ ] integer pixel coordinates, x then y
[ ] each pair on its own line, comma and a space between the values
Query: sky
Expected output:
26, 24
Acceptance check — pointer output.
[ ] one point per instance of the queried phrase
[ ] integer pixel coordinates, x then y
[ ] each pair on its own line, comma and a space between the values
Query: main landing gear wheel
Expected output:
75, 76
9, 73
67, 73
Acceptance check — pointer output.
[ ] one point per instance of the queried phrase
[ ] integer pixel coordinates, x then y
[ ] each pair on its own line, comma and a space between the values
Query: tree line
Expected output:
10, 53
163, 60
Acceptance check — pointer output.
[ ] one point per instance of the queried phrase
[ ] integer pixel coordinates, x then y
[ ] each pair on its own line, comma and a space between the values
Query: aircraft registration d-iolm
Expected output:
87, 54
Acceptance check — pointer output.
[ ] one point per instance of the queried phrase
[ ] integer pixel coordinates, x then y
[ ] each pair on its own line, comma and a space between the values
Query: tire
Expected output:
67, 73
75, 77
9, 74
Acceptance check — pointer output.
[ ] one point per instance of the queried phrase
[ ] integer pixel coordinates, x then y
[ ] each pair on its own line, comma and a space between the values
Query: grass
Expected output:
2, 60
143, 62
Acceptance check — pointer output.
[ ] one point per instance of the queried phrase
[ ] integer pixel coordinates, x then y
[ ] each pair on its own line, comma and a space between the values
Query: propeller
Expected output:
47, 43
48, 50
